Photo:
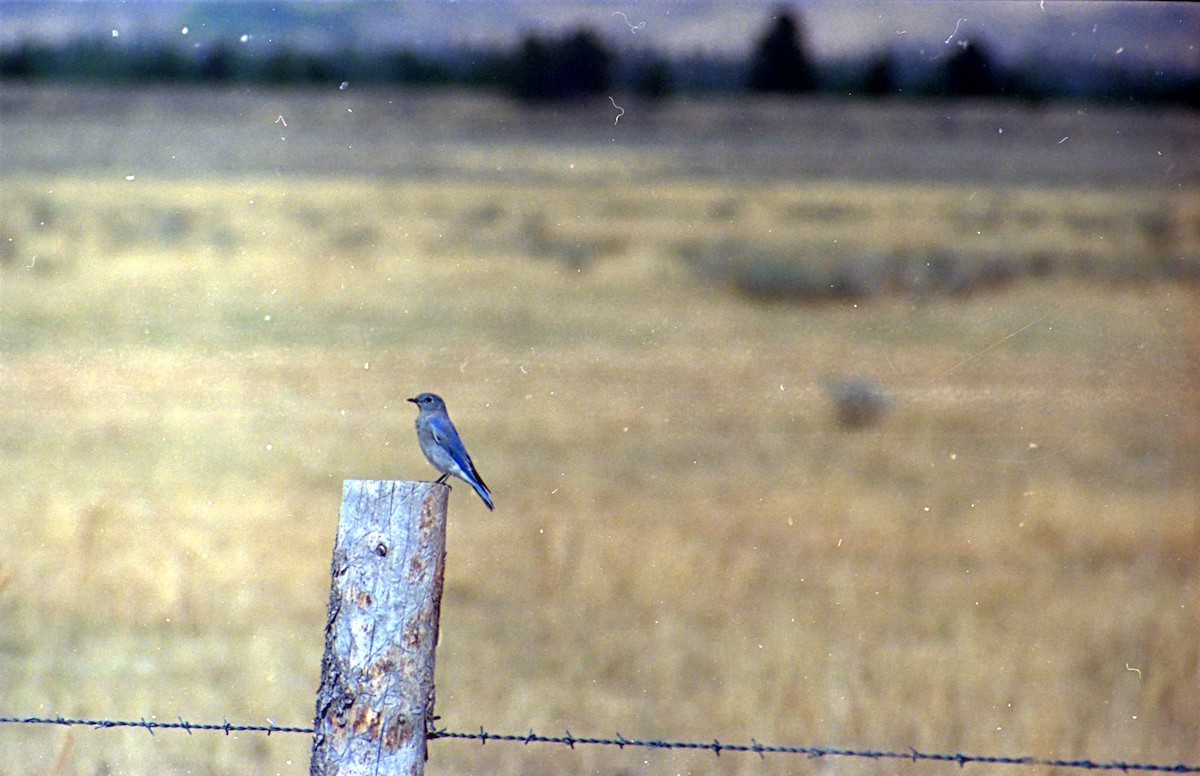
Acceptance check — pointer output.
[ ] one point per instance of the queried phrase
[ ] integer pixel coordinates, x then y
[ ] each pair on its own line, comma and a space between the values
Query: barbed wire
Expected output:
716, 747
151, 725
571, 741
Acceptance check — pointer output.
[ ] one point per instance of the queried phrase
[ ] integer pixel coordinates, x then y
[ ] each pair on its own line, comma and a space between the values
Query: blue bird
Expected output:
441, 445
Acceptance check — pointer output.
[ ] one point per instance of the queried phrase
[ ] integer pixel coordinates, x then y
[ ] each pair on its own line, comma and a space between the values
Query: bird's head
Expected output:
428, 401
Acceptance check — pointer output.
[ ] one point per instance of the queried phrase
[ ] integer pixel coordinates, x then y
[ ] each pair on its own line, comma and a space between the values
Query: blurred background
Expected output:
833, 366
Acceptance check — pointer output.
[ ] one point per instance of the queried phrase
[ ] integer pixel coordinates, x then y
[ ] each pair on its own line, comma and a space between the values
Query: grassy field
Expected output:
686, 544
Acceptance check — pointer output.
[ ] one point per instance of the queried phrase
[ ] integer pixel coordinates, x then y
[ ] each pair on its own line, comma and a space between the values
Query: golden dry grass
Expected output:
685, 543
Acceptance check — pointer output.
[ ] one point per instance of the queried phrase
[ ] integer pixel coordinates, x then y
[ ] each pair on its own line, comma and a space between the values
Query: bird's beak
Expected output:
414, 401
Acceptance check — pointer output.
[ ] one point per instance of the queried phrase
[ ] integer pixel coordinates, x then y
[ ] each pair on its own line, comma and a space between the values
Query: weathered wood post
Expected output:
376, 689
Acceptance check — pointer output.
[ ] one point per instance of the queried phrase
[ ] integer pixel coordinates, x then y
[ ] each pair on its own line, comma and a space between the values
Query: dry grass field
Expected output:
686, 544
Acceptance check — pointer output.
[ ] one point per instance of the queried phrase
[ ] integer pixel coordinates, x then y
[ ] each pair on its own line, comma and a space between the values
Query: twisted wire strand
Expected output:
621, 742
716, 747
151, 725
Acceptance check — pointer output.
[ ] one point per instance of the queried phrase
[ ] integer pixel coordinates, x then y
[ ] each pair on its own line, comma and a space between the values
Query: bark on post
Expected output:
376, 688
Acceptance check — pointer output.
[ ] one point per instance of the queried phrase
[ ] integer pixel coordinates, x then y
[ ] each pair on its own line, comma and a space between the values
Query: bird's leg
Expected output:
442, 480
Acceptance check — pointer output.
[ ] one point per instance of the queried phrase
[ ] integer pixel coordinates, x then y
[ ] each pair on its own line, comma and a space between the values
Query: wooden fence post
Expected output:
376, 691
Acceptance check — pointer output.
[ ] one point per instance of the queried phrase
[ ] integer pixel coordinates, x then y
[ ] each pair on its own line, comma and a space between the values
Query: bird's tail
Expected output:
483, 492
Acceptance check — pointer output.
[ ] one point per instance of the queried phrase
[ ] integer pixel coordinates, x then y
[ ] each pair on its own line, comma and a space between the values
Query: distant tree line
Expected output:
579, 65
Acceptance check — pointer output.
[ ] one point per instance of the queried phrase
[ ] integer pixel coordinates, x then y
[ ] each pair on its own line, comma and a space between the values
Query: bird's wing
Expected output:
447, 438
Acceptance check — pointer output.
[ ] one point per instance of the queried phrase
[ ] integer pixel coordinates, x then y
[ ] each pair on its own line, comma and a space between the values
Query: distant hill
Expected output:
1079, 49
